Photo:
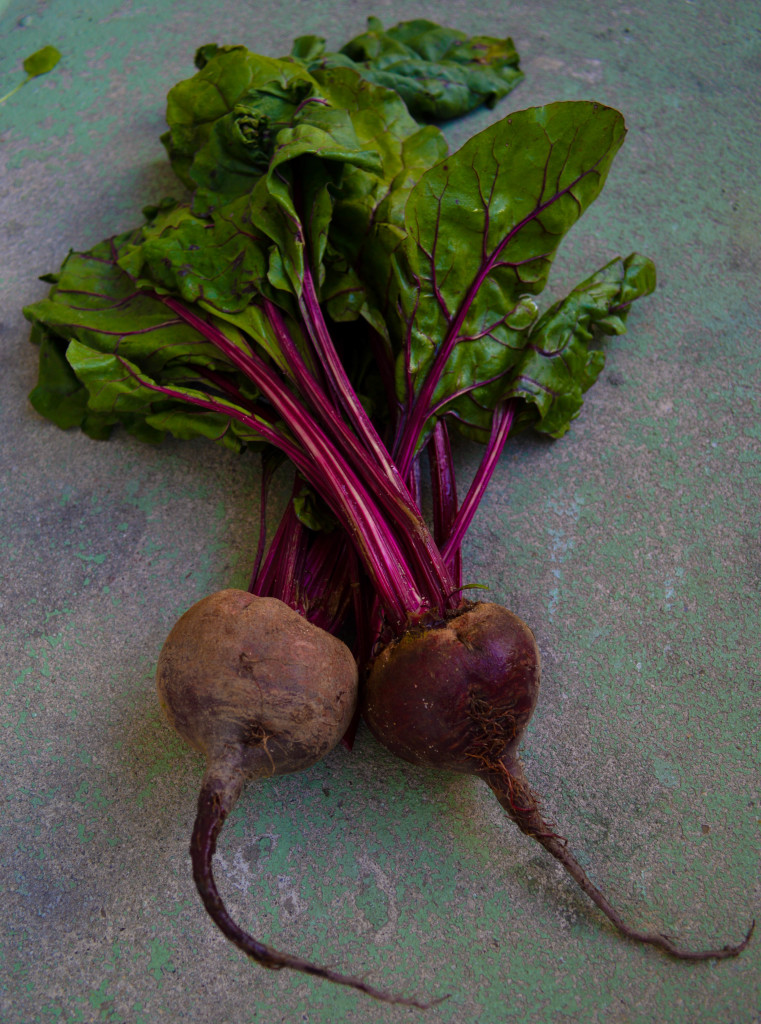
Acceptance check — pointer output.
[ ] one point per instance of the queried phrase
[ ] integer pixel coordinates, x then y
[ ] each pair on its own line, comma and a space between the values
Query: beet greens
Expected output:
340, 291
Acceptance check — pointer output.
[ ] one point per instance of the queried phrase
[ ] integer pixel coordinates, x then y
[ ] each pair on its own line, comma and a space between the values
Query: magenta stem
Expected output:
386, 480
267, 471
444, 493
502, 421
317, 459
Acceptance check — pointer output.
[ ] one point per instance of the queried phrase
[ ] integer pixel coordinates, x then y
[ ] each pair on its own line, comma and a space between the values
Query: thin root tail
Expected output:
509, 784
218, 794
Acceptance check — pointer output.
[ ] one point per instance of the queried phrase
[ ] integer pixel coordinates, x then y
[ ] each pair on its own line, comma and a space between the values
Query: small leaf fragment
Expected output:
37, 63
41, 61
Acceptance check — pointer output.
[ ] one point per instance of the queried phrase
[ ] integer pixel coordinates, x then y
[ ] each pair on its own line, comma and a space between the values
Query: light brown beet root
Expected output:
250, 679
260, 691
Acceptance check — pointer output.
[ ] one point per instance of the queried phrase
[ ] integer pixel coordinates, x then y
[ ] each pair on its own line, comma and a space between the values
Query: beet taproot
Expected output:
458, 695
260, 691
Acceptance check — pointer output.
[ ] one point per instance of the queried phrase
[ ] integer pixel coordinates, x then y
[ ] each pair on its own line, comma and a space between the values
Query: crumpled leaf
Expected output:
439, 72
59, 394
120, 392
312, 511
221, 259
97, 303
238, 150
106, 347
238, 107
226, 76
340, 157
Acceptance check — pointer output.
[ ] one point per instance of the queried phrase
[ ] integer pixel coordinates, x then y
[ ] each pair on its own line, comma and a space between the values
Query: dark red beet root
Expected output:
459, 695
261, 692
450, 696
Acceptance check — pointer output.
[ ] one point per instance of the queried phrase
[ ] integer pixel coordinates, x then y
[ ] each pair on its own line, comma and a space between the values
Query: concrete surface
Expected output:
631, 546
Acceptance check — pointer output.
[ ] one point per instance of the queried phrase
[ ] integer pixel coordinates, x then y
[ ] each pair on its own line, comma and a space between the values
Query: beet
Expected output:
458, 695
260, 691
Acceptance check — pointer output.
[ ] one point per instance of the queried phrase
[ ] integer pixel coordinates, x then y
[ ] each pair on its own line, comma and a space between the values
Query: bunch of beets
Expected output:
341, 292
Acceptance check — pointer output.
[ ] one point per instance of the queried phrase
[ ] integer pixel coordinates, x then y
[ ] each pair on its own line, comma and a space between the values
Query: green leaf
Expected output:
346, 157
58, 395
483, 227
41, 61
111, 353
558, 365
439, 72
307, 48
97, 303
204, 53
369, 229
227, 76
349, 149
220, 259
37, 63
312, 512
334, 137
120, 392
240, 145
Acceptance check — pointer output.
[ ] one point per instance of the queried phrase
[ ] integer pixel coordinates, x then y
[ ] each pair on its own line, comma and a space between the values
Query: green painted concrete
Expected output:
631, 547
